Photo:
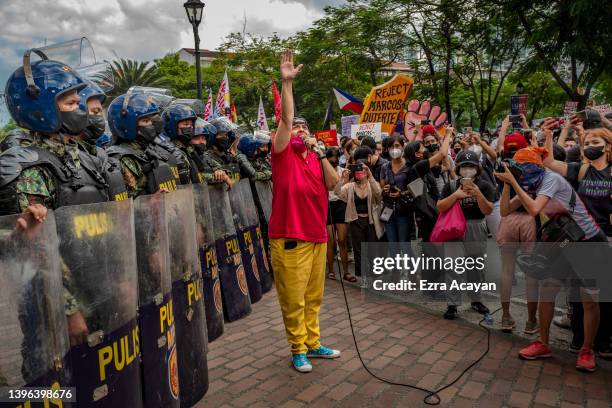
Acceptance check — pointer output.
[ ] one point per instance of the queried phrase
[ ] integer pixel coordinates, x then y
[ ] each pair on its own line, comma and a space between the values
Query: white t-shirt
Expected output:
555, 187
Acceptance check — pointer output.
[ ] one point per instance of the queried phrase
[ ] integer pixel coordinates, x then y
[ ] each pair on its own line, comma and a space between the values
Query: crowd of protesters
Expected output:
509, 184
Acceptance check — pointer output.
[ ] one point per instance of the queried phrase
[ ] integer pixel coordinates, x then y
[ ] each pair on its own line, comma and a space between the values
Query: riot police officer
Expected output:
51, 172
253, 156
178, 131
220, 165
145, 169
197, 146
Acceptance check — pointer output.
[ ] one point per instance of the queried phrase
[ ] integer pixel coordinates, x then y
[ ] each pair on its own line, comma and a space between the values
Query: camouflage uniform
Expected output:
186, 164
134, 177
213, 161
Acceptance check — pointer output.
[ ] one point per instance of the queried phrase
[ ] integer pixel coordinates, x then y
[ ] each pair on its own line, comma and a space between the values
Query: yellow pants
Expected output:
299, 276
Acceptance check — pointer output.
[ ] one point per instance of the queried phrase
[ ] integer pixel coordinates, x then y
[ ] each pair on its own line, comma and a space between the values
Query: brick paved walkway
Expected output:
250, 365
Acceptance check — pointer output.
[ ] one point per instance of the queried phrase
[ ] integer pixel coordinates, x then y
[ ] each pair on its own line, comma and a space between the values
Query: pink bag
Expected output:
450, 225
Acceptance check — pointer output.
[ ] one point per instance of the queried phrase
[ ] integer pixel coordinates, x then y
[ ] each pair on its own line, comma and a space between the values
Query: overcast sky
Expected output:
140, 29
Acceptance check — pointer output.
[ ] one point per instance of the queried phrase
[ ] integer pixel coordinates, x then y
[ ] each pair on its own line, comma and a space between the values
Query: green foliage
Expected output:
10, 125
128, 73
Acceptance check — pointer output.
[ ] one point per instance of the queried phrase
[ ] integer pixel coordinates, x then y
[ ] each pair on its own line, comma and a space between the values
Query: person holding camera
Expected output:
593, 181
476, 197
360, 195
557, 200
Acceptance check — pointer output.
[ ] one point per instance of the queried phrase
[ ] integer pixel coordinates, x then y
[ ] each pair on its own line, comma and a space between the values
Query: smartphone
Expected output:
582, 115
354, 167
466, 181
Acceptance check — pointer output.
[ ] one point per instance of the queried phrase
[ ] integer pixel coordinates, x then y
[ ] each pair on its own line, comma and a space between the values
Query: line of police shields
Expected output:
154, 279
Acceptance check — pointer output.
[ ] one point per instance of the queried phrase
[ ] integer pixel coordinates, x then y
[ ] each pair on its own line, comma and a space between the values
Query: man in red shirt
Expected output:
301, 177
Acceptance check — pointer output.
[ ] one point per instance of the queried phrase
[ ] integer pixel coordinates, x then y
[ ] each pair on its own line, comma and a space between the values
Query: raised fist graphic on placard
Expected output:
419, 111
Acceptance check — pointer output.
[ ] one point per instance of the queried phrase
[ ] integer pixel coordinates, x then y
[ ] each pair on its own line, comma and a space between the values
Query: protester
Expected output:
360, 195
298, 237
555, 196
347, 145
376, 162
476, 196
516, 231
335, 221
594, 186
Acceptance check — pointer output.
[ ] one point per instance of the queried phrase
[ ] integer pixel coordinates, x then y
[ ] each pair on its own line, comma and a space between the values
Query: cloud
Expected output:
139, 29
315, 4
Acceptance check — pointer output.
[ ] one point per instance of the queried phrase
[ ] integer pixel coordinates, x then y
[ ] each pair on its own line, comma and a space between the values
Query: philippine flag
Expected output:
346, 101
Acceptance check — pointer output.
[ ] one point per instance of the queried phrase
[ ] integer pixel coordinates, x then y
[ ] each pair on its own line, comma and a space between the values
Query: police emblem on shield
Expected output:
242, 283
217, 296
254, 266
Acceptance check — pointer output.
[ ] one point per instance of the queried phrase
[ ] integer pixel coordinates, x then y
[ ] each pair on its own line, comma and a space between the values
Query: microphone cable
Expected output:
432, 397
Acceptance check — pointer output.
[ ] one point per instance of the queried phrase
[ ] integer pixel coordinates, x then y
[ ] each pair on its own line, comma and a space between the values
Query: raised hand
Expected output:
287, 70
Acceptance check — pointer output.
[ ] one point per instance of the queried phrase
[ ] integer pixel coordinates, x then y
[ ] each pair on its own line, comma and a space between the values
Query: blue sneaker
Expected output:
301, 363
323, 352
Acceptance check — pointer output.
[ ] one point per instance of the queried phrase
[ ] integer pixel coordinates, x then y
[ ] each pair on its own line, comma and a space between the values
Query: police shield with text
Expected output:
256, 235
97, 245
245, 242
234, 288
35, 337
160, 381
208, 260
190, 320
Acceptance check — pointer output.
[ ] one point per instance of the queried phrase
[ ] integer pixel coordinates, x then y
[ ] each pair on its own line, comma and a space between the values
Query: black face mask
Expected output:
158, 123
95, 126
433, 147
593, 152
147, 133
186, 133
74, 122
199, 148
222, 143
457, 150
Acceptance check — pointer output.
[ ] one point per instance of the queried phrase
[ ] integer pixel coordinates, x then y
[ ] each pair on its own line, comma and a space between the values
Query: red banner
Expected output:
329, 137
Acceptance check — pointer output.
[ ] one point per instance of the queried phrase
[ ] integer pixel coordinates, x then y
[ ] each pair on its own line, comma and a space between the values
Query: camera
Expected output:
512, 167
354, 167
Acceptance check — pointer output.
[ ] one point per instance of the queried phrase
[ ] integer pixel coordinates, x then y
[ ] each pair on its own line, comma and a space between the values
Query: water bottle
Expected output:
488, 319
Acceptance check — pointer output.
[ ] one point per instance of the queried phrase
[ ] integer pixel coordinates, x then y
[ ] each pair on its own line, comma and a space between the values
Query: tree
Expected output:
128, 73
570, 39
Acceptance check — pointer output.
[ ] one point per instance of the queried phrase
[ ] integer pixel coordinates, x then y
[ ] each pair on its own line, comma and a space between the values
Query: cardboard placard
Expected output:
367, 129
385, 102
347, 122
569, 108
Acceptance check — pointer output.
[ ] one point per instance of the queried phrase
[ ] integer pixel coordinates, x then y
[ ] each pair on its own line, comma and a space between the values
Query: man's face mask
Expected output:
74, 122
531, 177
468, 172
199, 148
186, 133
158, 123
147, 133
222, 142
434, 147
95, 127
298, 145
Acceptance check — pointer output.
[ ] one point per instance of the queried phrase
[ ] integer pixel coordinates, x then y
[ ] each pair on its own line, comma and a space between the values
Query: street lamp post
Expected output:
194, 10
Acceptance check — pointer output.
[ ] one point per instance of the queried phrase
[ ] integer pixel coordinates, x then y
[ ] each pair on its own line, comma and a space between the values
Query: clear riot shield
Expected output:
195, 104
101, 74
245, 241
234, 288
160, 381
264, 194
34, 347
208, 261
190, 321
98, 248
74, 53
258, 245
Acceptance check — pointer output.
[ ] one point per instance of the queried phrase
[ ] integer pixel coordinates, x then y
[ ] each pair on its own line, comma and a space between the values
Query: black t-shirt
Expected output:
469, 205
406, 174
595, 190
377, 167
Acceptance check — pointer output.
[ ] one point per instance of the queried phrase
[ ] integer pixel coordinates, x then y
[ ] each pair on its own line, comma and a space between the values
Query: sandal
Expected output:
349, 278
331, 275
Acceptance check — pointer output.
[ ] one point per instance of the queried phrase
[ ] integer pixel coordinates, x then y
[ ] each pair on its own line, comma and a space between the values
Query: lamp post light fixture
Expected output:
194, 10
520, 88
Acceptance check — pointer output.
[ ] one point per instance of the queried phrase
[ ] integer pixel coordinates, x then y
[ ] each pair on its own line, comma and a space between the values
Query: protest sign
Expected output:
347, 121
385, 102
605, 109
329, 137
518, 104
569, 108
366, 129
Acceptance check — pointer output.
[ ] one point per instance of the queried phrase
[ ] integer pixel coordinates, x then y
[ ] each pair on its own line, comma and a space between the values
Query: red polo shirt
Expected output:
299, 197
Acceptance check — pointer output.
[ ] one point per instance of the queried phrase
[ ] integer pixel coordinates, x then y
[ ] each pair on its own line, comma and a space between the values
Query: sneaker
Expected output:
508, 324
531, 327
301, 363
535, 350
562, 322
323, 352
451, 313
586, 360
480, 308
